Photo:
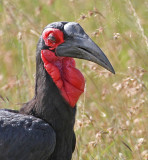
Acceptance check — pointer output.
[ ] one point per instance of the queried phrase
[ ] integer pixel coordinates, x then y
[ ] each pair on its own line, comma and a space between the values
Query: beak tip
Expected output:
108, 66
112, 70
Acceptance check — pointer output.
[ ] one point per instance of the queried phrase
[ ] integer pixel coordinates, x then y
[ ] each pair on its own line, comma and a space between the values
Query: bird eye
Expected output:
51, 38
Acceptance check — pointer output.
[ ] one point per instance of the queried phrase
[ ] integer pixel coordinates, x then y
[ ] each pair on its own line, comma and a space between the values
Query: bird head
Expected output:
68, 39
61, 42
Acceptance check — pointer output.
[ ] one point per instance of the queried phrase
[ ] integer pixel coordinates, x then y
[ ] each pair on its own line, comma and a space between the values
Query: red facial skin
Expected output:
67, 78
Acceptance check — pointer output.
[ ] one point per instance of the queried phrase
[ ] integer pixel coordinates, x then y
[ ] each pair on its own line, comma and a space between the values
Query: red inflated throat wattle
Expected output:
67, 78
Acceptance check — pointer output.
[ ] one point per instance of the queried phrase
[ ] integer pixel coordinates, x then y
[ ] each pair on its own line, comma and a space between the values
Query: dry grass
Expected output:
112, 113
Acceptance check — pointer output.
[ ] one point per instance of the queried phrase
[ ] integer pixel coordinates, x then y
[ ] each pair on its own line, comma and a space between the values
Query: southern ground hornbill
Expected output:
43, 128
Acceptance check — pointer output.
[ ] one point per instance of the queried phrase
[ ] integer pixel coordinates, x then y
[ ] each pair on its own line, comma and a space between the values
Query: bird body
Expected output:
21, 137
45, 124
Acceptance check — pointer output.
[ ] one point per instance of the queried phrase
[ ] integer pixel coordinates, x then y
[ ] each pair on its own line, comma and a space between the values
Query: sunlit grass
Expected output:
111, 119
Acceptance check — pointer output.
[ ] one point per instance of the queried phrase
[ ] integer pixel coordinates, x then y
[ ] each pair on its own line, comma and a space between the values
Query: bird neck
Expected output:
52, 107
49, 105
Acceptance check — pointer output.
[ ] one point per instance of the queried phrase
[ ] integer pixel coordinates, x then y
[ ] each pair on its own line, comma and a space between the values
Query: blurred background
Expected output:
112, 114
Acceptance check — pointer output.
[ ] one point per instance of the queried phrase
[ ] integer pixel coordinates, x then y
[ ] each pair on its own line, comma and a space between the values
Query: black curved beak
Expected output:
84, 48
